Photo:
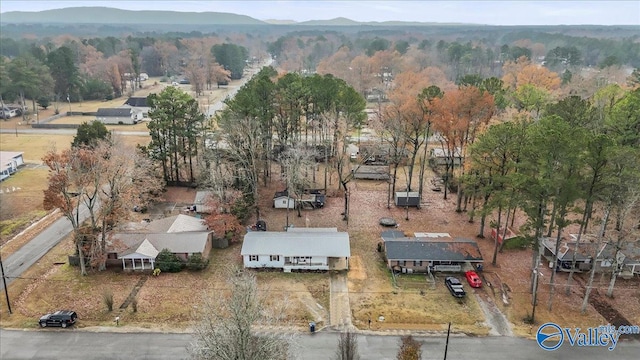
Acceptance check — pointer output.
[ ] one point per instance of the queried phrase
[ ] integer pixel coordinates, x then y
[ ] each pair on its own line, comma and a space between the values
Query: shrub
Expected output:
107, 298
168, 261
43, 102
197, 262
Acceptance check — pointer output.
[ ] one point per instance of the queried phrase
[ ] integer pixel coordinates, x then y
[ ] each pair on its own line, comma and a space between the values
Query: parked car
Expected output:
455, 287
61, 318
7, 113
473, 279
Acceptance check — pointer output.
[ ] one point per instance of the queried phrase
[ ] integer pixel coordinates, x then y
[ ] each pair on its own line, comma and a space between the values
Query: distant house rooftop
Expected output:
114, 112
137, 101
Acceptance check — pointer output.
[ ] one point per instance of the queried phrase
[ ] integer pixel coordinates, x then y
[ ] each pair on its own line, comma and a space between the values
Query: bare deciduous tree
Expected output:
347, 346
228, 319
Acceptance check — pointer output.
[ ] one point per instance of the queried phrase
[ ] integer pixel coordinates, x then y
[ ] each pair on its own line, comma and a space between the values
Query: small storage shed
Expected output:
282, 200
407, 198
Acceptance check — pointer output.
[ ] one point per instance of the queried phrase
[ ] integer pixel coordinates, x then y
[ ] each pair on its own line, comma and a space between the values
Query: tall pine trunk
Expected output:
605, 220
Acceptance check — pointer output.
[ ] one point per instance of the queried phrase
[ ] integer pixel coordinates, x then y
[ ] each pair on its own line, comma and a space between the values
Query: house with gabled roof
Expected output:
297, 250
429, 252
115, 116
136, 245
138, 104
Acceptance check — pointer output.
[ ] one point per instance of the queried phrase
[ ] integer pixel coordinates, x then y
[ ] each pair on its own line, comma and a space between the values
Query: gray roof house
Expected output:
136, 245
627, 257
296, 250
115, 116
426, 254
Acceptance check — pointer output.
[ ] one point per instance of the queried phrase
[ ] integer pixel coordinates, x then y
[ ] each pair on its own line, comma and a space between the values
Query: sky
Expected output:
477, 12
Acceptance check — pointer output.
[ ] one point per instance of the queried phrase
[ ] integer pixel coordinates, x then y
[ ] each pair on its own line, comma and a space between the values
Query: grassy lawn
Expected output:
34, 146
21, 200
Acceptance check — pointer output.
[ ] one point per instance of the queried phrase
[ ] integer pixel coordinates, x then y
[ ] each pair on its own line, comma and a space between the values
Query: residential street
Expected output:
76, 344
33, 250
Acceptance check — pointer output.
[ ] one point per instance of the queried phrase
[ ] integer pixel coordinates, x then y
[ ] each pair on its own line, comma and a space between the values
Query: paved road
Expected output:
32, 251
233, 89
81, 345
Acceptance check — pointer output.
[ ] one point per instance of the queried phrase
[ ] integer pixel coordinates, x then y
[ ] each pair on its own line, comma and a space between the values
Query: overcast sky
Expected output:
478, 12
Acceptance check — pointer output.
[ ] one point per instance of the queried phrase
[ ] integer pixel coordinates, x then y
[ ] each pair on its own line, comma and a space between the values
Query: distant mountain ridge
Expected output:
106, 15
113, 16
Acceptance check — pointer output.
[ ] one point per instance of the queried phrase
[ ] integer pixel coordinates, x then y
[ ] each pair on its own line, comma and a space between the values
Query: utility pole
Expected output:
446, 344
4, 282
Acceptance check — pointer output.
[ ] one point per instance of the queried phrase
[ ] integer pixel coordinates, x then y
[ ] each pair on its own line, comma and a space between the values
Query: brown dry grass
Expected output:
34, 146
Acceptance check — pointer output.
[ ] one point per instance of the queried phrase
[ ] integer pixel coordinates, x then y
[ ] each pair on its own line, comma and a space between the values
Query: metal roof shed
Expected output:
407, 198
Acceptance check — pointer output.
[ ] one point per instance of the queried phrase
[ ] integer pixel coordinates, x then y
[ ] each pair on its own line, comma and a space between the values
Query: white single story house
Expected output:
115, 116
9, 163
296, 250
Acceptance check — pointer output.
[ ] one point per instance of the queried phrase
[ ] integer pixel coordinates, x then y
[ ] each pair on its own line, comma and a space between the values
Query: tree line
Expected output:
99, 69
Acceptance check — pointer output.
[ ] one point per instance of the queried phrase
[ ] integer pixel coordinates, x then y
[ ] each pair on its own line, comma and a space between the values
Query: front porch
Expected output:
137, 263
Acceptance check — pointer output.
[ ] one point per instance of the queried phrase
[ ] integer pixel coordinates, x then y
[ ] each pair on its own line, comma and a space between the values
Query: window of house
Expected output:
417, 263
303, 259
274, 258
253, 257
402, 263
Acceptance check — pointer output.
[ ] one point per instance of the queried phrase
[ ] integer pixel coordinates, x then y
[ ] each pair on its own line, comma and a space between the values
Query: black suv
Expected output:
62, 318
455, 287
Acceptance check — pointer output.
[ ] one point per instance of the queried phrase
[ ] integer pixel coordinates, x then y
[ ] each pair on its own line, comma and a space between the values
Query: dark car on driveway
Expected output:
62, 318
455, 287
